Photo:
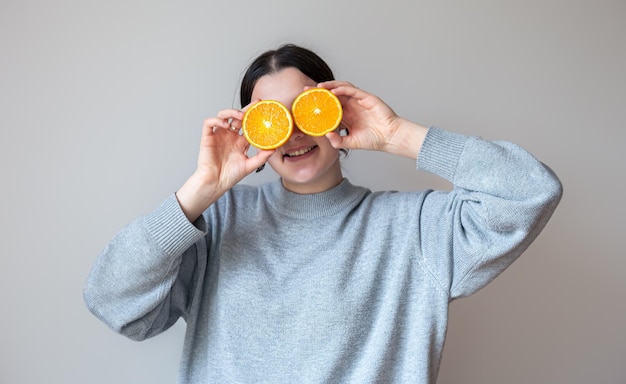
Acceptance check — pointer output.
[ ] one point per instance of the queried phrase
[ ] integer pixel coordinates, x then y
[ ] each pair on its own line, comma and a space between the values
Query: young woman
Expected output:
310, 278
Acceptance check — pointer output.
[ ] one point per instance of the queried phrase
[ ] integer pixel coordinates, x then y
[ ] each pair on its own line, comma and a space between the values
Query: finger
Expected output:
226, 114
337, 141
235, 122
229, 119
350, 91
234, 125
332, 84
211, 123
258, 160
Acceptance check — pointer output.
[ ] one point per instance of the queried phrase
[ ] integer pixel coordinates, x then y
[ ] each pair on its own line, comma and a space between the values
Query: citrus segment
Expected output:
317, 111
267, 124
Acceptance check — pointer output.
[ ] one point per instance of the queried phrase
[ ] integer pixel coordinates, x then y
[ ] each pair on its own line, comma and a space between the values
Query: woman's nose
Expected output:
296, 134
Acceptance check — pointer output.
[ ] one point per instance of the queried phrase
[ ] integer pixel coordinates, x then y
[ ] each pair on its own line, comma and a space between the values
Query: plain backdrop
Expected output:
101, 108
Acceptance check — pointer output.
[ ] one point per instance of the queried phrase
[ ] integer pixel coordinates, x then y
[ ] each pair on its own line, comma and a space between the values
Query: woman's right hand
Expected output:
223, 161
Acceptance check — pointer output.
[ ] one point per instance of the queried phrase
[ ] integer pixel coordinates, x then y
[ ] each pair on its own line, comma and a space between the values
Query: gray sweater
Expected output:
344, 286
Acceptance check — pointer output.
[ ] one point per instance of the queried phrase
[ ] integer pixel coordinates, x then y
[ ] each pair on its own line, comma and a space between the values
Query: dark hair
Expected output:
286, 56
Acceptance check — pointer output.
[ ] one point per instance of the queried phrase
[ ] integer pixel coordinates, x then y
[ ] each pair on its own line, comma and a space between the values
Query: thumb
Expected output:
336, 140
258, 160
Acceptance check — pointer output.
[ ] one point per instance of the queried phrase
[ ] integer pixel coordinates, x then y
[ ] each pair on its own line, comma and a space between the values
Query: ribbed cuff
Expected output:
440, 152
172, 230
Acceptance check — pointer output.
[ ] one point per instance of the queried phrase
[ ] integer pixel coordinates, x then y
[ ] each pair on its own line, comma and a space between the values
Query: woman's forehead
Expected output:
284, 85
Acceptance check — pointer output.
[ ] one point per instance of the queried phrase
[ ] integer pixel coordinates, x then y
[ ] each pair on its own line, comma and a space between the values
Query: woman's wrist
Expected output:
196, 195
407, 139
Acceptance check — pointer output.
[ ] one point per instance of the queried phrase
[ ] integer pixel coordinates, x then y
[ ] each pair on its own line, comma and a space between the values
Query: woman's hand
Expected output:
222, 162
372, 124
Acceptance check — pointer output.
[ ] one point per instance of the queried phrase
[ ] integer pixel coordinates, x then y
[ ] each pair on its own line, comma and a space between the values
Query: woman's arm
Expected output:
143, 280
502, 197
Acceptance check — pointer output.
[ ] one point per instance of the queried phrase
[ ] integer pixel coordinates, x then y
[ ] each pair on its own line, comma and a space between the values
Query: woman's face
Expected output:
305, 163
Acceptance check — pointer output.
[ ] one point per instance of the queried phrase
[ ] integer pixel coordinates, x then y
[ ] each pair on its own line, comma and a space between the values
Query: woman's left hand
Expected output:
372, 124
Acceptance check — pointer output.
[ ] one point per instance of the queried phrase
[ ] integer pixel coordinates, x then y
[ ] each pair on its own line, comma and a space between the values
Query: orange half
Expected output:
267, 124
317, 111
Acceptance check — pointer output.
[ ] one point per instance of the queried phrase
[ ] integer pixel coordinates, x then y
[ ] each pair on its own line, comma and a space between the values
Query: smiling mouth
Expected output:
300, 152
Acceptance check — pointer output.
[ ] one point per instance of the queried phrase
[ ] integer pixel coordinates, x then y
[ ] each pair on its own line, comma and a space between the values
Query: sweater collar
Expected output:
315, 205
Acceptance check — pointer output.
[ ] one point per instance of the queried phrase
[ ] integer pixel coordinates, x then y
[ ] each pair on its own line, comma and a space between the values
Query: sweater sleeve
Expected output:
502, 199
142, 281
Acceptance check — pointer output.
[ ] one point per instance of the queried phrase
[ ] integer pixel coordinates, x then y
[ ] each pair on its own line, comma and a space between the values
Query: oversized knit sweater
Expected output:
343, 286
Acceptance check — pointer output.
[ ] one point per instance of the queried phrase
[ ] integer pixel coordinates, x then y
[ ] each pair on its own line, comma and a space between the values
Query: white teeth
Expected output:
300, 152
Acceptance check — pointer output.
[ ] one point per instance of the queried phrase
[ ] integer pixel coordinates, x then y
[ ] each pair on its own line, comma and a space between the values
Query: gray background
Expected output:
101, 106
